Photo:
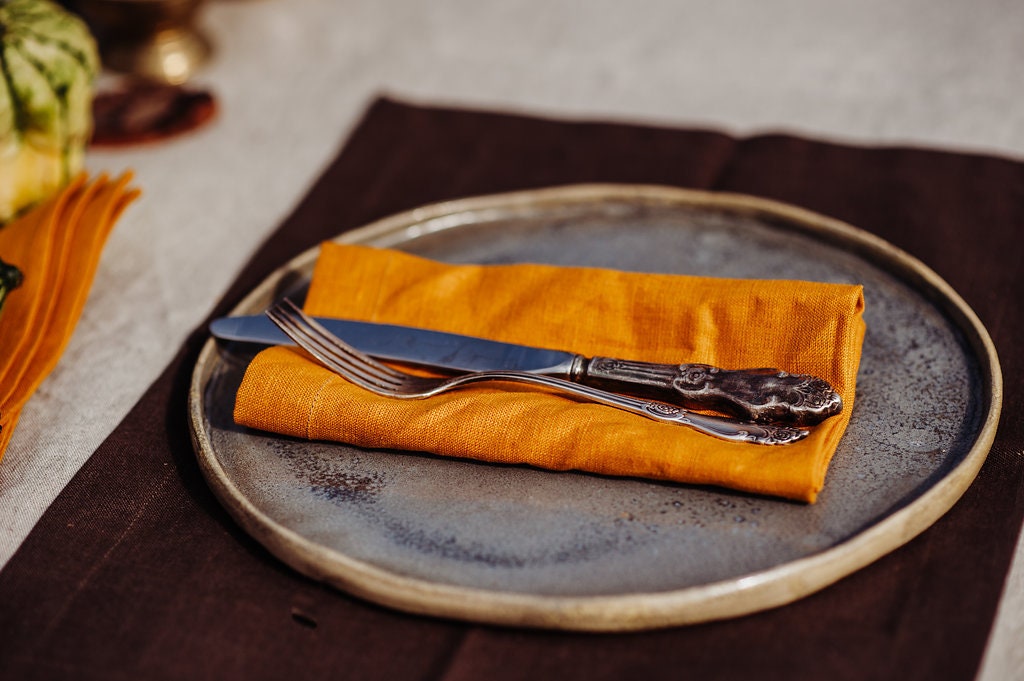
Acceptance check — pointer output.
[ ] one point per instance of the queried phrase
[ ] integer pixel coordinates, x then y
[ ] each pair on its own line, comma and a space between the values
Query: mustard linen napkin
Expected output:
57, 246
801, 327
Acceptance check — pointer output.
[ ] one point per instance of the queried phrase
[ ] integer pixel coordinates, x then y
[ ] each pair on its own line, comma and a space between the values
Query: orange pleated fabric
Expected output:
801, 327
57, 246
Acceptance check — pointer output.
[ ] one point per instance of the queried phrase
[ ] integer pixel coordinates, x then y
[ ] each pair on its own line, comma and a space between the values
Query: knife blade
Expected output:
760, 395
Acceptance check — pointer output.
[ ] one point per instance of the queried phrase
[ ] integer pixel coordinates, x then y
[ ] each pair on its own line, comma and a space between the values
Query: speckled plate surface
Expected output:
515, 545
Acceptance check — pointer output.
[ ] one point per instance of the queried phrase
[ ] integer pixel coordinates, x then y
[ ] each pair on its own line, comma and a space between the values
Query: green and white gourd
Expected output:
48, 65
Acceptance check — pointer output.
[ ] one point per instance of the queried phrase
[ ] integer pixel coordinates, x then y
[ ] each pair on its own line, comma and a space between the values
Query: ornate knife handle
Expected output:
759, 395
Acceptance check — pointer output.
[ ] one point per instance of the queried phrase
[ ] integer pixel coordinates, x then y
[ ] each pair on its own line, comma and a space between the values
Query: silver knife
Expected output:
761, 395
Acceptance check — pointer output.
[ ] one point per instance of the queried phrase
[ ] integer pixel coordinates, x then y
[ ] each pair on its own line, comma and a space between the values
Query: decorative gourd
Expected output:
48, 62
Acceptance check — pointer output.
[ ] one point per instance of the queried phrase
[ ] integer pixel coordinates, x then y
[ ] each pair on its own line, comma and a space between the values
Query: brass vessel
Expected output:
153, 39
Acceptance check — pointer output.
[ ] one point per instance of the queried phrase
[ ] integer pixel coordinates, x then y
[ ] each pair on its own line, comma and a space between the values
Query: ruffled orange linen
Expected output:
801, 327
57, 247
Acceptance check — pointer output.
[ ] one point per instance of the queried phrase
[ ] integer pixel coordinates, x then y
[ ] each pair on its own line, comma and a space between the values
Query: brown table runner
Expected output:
136, 572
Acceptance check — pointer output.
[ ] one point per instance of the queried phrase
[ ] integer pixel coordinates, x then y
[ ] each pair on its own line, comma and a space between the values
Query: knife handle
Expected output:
760, 395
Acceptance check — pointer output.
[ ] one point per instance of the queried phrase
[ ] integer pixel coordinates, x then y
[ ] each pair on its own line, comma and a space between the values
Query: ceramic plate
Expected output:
519, 546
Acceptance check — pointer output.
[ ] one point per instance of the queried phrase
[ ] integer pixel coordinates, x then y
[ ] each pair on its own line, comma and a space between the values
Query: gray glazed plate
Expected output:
519, 546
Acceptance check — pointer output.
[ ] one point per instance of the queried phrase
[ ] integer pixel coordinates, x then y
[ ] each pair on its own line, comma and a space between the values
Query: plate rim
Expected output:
761, 590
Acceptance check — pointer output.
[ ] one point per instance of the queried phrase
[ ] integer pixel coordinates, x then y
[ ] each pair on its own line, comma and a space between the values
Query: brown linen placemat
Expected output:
136, 572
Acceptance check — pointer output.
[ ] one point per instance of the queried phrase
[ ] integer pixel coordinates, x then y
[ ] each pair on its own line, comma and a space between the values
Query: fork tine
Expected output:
315, 329
287, 324
342, 353
324, 351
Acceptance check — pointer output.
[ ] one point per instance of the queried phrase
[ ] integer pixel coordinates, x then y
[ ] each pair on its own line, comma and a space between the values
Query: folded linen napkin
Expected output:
57, 247
801, 327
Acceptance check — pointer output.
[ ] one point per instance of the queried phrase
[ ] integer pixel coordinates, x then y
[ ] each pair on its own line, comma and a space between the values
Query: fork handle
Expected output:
727, 429
717, 426
759, 395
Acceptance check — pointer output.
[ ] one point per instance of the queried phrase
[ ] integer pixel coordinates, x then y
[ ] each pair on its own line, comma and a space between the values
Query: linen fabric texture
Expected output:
57, 246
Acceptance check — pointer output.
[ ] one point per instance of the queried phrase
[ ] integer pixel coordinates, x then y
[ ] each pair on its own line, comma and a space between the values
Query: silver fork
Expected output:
379, 378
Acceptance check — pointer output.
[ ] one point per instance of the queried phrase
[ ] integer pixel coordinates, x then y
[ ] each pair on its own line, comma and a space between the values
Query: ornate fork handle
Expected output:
720, 427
